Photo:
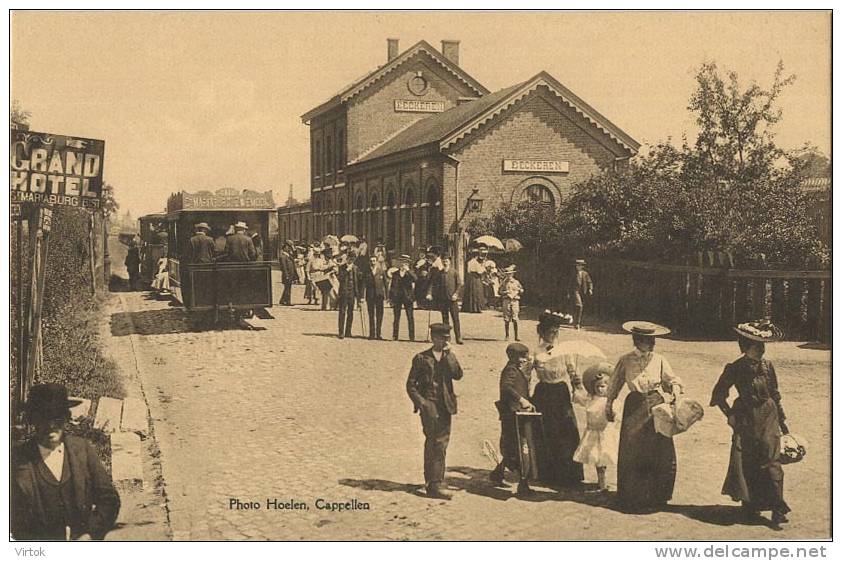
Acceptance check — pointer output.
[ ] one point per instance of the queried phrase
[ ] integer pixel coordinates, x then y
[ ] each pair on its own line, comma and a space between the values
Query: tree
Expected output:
109, 202
735, 140
18, 115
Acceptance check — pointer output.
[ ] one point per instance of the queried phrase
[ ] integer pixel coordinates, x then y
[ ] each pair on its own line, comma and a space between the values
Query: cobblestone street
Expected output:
289, 412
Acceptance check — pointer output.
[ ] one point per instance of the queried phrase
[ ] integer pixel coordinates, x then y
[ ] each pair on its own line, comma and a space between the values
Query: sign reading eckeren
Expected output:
55, 169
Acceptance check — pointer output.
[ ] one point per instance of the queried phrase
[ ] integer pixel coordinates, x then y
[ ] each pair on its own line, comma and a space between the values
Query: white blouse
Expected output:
641, 373
552, 368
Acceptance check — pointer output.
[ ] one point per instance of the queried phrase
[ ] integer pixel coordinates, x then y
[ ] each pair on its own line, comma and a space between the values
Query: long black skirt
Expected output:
561, 435
755, 475
646, 463
473, 300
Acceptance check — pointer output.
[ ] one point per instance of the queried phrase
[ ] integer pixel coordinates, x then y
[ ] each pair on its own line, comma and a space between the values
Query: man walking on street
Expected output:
287, 272
350, 293
375, 282
430, 387
402, 296
582, 287
444, 292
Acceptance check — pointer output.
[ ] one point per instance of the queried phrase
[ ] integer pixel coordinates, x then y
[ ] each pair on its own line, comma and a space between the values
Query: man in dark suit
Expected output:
402, 296
430, 387
202, 248
514, 397
349, 294
580, 289
444, 293
60, 490
239, 247
375, 282
287, 272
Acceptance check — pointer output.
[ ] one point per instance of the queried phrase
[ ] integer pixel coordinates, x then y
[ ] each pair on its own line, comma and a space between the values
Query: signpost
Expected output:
45, 170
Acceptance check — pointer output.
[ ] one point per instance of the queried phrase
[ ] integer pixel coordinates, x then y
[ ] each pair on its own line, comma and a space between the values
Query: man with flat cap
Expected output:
202, 249
59, 490
430, 387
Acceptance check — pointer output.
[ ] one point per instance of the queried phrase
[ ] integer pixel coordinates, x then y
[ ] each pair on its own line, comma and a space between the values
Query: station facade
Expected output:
396, 155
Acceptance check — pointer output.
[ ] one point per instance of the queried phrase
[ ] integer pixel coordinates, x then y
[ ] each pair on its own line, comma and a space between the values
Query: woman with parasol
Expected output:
473, 298
755, 475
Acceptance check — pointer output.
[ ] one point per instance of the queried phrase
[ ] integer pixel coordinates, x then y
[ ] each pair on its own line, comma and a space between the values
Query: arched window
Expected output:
391, 221
340, 219
329, 154
374, 217
317, 158
409, 218
434, 217
538, 193
359, 205
340, 149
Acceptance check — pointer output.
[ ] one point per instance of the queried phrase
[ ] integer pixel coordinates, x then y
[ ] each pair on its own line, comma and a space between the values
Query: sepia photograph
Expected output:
423, 275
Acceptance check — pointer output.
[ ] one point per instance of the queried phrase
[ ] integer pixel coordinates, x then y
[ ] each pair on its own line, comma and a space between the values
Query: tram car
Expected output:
221, 284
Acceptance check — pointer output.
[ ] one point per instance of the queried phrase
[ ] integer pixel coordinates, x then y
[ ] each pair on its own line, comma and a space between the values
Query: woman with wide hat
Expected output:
473, 298
755, 476
552, 398
646, 462
60, 489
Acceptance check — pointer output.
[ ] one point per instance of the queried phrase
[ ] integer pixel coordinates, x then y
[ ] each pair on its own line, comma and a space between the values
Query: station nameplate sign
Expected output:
55, 169
545, 166
221, 199
418, 106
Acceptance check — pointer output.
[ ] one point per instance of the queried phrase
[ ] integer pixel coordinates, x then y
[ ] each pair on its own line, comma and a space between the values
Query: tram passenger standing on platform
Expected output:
444, 293
239, 246
287, 272
402, 295
258, 244
202, 247
350, 293
430, 387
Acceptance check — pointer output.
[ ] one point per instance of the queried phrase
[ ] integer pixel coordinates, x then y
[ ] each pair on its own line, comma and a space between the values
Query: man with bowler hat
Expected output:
430, 387
59, 490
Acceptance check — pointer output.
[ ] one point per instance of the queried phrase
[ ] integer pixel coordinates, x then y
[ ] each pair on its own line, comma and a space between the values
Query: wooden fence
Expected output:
693, 300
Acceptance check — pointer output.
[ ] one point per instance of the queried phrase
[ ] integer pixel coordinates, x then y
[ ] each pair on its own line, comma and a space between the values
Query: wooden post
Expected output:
91, 224
825, 326
43, 223
778, 302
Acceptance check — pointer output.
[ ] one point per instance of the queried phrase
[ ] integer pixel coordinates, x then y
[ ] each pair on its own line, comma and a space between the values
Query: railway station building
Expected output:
406, 153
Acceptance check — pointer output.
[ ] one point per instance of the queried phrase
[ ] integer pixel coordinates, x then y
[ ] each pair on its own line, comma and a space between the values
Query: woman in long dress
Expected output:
552, 398
755, 476
473, 298
646, 462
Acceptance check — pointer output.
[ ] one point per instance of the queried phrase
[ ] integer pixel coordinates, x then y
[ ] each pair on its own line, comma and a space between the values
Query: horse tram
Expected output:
153, 244
222, 285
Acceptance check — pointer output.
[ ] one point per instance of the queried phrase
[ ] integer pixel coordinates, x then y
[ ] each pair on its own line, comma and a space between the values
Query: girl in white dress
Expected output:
599, 444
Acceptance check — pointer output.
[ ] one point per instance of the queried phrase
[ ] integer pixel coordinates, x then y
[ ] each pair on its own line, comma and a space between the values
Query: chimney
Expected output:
450, 50
392, 49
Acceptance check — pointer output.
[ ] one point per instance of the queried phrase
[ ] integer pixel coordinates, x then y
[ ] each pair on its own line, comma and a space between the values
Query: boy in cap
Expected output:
430, 387
514, 393
59, 490
511, 289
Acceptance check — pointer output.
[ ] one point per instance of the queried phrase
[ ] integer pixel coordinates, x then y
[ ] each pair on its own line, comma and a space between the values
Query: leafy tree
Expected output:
109, 202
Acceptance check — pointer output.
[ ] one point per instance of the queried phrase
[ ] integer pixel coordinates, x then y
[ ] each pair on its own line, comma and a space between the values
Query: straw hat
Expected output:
763, 331
645, 328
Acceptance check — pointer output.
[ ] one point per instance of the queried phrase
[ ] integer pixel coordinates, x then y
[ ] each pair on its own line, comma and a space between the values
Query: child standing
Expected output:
514, 391
599, 444
510, 290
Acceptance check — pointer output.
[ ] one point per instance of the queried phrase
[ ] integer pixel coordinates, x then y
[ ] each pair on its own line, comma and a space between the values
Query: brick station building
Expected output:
396, 154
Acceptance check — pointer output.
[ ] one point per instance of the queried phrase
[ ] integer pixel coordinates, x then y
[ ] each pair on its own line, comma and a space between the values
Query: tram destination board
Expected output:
55, 169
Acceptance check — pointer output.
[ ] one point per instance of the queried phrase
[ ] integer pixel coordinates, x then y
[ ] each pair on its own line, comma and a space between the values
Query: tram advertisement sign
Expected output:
55, 169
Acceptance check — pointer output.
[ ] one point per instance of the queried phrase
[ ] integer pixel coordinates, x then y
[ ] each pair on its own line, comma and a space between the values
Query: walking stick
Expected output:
429, 313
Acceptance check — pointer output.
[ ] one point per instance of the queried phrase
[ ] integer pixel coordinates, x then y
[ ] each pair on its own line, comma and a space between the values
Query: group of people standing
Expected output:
552, 450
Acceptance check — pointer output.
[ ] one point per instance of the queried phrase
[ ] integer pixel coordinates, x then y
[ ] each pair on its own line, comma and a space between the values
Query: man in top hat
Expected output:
402, 296
376, 283
239, 246
350, 293
287, 271
430, 387
444, 293
581, 288
59, 490
202, 249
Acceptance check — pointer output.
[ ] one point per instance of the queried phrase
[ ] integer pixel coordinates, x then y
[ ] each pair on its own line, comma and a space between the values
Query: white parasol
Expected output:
489, 241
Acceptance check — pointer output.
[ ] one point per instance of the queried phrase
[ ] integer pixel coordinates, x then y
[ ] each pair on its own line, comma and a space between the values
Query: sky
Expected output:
204, 100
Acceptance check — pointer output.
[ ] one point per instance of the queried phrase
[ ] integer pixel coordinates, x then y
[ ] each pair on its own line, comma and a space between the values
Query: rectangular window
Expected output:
318, 158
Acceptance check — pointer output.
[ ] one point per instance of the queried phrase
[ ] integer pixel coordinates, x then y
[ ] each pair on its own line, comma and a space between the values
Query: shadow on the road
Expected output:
721, 515
815, 346
156, 322
383, 485
263, 313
